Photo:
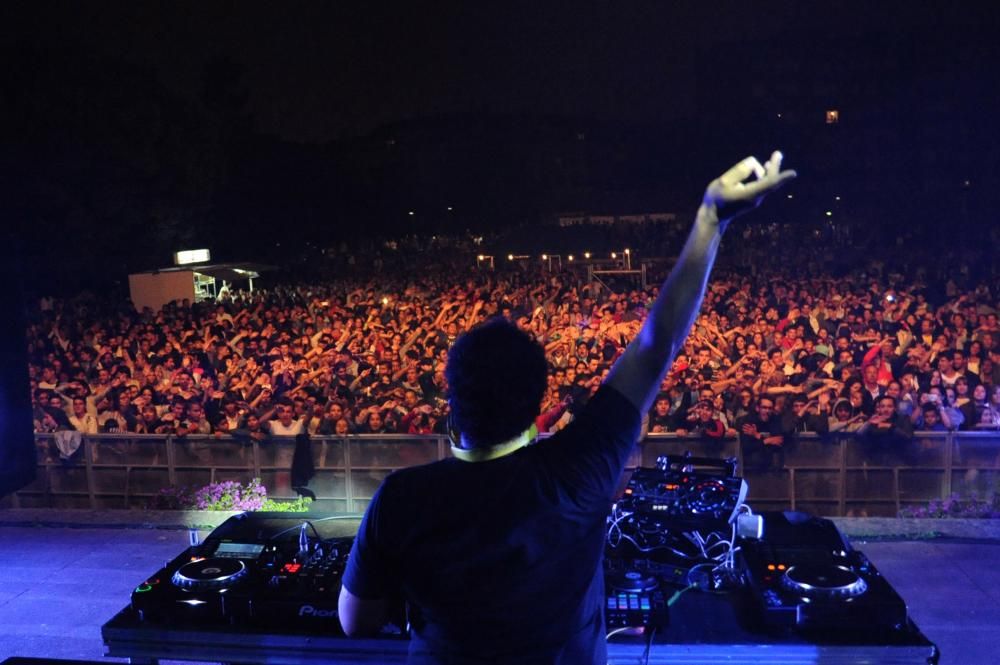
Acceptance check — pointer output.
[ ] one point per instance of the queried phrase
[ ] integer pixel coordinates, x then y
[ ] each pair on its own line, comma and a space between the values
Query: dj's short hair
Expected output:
497, 375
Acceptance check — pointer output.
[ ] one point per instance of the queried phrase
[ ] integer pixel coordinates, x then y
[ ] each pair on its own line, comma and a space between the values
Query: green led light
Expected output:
143, 588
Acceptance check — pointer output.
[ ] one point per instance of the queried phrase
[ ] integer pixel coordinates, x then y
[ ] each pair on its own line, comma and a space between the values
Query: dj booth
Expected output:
692, 575
705, 630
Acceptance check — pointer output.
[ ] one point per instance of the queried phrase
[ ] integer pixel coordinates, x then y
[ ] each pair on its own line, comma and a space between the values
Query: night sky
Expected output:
143, 126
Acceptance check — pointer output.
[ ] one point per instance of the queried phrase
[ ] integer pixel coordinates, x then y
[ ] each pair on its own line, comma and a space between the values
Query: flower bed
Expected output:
956, 506
228, 496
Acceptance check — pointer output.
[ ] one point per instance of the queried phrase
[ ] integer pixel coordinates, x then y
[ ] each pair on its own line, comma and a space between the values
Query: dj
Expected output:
498, 551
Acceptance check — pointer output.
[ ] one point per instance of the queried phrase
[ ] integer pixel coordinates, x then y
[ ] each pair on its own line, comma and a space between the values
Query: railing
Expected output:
831, 476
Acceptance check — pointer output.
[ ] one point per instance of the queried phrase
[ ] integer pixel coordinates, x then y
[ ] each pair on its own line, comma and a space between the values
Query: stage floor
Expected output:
59, 585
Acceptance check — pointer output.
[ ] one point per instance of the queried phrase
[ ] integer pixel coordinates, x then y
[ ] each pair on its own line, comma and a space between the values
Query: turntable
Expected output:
208, 574
262, 570
189, 588
823, 581
805, 575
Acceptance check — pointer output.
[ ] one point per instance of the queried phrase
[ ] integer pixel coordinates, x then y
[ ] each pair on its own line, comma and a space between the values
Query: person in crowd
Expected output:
844, 419
762, 438
81, 419
931, 418
887, 424
703, 423
804, 416
286, 424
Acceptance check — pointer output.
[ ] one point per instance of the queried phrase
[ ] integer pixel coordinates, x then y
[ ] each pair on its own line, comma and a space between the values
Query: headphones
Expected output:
487, 453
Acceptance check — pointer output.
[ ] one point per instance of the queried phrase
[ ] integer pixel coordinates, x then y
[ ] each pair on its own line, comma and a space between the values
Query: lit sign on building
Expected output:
191, 256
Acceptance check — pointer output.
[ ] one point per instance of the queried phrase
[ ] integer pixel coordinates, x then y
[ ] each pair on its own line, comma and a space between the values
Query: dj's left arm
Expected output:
370, 576
360, 617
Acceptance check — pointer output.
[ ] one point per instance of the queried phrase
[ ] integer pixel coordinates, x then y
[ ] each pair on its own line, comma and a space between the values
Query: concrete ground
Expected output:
59, 584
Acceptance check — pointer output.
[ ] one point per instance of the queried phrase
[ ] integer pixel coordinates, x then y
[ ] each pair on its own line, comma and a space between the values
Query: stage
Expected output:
59, 586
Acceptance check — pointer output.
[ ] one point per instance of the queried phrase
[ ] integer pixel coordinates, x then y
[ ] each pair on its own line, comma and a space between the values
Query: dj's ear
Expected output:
454, 435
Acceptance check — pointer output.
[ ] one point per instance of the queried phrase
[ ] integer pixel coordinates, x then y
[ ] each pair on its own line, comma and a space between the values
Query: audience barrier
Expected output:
832, 476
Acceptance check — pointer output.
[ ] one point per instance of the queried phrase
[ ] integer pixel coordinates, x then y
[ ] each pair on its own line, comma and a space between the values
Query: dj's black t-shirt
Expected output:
500, 561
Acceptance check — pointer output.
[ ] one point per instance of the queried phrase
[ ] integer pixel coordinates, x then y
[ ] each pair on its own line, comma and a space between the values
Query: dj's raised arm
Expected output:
639, 371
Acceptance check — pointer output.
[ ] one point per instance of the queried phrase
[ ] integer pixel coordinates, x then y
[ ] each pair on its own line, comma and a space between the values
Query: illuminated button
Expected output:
770, 566
644, 604
612, 604
633, 603
143, 588
781, 566
153, 581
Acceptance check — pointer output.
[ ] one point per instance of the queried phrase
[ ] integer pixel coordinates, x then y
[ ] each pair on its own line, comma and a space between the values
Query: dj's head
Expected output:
496, 379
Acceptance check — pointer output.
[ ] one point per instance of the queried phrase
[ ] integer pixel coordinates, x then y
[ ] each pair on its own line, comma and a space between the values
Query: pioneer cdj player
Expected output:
805, 575
269, 569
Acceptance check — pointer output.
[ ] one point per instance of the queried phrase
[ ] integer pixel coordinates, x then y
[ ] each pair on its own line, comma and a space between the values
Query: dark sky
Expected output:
321, 71
137, 128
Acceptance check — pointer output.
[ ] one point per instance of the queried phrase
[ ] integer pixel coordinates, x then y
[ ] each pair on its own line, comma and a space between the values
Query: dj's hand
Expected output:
732, 195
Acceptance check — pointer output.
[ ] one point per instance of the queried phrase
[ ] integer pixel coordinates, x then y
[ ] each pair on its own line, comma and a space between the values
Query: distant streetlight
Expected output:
829, 213
545, 257
614, 255
570, 257
510, 257
449, 208
411, 213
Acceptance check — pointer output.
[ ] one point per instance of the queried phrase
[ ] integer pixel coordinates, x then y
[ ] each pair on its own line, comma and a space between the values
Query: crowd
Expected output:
776, 350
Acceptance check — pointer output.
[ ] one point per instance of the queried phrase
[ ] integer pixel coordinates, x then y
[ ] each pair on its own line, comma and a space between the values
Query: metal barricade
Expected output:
826, 475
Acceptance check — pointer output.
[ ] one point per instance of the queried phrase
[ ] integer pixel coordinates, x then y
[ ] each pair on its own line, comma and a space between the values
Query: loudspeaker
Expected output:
17, 440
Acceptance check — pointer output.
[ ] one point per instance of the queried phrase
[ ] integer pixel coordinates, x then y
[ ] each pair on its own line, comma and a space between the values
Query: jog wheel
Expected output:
632, 581
209, 574
823, 581
707, 497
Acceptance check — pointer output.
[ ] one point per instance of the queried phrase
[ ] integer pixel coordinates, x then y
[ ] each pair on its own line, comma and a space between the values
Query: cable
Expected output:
649, 645
297, 526
680, 592
618, 630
